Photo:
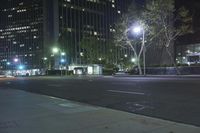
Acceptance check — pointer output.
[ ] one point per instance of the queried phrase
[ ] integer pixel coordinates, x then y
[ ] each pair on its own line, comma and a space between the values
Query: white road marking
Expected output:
127, 92
54, 85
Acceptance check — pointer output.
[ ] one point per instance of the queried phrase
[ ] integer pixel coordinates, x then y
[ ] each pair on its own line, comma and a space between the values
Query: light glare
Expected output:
137, 29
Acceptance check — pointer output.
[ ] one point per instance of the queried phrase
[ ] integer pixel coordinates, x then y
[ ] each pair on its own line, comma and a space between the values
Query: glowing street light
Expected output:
45, 58
133, 60
81, 53
63, 53
137, 29
21, 67
8, 63
16, 59
55, 50
62, 60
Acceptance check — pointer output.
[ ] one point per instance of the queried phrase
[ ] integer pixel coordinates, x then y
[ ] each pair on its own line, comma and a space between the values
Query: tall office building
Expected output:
21, 34
91, 22
187, 48
30, 28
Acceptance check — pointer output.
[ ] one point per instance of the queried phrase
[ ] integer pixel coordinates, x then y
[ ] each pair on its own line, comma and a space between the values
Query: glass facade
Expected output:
187, 47
21, 34
91, 22
30, 28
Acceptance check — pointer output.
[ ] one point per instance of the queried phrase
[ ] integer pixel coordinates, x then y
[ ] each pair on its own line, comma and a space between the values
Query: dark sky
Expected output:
194, 7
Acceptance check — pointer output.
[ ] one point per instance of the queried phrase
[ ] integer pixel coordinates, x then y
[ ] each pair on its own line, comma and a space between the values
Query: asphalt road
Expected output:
169, 98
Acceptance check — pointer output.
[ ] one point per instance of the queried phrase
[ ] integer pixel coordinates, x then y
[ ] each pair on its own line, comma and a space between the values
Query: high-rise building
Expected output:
91, 22
187, 48
21, 34
30, 28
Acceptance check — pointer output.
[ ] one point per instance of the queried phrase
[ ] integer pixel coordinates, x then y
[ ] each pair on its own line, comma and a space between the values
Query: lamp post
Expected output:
18, 65
55, 51
14, 67
139, 30
45, 63
62, 60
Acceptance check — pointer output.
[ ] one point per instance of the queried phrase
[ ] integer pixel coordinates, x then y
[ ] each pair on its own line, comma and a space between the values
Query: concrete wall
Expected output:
172, 70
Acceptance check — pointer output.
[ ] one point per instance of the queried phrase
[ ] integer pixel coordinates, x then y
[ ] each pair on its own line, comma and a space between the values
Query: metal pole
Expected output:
60, 62
144, 50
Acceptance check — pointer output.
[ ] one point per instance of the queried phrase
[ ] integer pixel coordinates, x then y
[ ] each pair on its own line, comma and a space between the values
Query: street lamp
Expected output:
55, 50
45, 58
133, 60
139, 30
8, 63
62, 60
81, 54
63, 53
16, 59
21, 67
62, 57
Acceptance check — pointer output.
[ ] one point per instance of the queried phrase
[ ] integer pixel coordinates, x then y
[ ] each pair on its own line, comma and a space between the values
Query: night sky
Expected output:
194, 7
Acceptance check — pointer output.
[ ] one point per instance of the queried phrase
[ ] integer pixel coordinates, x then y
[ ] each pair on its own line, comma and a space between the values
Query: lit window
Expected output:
113, 5
69, 29
21, 45
118, 11
34, 30
21, 3
23, 10
93, 1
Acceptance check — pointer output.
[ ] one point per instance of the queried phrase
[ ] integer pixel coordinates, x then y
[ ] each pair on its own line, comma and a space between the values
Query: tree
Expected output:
166, 23
123, 36
162, 24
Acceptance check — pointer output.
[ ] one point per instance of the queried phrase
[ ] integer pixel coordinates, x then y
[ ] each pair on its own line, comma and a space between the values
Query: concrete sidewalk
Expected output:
160, 76
23, 112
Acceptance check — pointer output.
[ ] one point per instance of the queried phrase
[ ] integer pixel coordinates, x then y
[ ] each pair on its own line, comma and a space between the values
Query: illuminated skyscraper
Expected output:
30, 28
21, 33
